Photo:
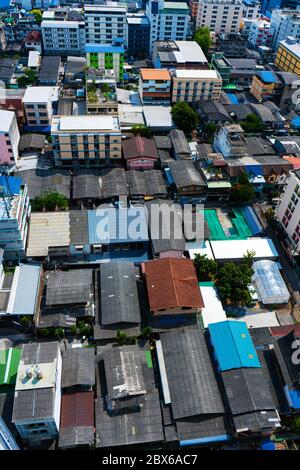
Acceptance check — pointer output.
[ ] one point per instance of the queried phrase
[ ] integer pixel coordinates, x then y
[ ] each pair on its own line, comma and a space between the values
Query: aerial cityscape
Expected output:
149, 226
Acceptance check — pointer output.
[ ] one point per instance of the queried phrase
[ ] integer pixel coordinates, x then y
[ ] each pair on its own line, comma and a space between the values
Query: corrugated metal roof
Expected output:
233, 346
27, 289
77, 410
70, 287
48, 229
78, 367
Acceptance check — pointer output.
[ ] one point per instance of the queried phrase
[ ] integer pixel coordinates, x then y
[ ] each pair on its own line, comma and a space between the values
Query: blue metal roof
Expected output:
268, 76
27, 289
233, 98
12, 184
296, 121
295, 397
252, 220
254, 169
112, 225
233, 346
205, 440
104, 48
169, 176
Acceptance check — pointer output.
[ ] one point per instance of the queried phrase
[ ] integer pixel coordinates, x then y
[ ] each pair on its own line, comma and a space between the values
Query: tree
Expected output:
232, 282
203, 38
59, 332
248, 259
210, 130
37, 14
146, 332
185, 117
205, 268
140, 129
252, 123
27, 79
121, 337
25, 320
50, 201
242, 192
85, 329
44, 332
73, 330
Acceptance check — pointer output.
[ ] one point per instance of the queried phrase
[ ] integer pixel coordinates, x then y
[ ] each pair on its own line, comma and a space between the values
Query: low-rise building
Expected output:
230, 141
38, 105
36, 411
194, 85
186, 178
50, 70
101, 93
81, 140
155, 86
261, 33
265, 85
179, 55
106, 57
139, 153
9, 138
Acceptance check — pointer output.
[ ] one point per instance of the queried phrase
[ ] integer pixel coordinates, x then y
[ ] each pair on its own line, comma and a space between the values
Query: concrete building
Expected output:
36, 411
222, 65
288, 56
265, 85
179, 55
155, 86
38, 105
168, 21
86, 140
138, 34
9, 138
101, 93
288, 212
261, 33
193, 6
220, 16
14, 214
194, 85
106, 57
63, 32
285, 23
105, 23
251, 9
33, 41
230, 141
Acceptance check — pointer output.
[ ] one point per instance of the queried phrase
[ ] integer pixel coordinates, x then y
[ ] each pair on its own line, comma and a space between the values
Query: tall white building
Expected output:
38, 104
220, 16
9, 138
169, 21
251, 9
260, 33
285, 23
288, 211
63, 34
106, 23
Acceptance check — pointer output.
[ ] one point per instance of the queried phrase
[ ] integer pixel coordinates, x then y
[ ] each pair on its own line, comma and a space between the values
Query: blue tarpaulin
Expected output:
268, 445
233, 98
295, 397
296, 121
11, 184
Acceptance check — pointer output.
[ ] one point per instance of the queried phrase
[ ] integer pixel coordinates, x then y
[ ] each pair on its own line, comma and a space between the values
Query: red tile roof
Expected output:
77, 409
278, 331
172, 283
137, 147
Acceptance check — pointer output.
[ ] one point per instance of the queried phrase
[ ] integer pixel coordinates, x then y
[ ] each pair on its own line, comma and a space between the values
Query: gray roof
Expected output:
6, 409
201, 427
54, 319
242, 64
76, 436
162, 142
49, 69
75, 65
185, 173
119, 296
39, 353
65, 107
33, 404
69, 287
179, 142
140, 424
79, 231
31, 141
190, 375
213, 110
259, 146
256, 421
241, 110
166, 240
87, 184
247, 390
114, 183
263, 112
78, 367
41, 181
145, 183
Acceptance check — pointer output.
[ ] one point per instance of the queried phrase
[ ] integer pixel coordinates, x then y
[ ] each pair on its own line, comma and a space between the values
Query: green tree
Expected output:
248, 259
44, 332
205, 268
243, 191
121, 337
185, 117
131, 340
85, 329
146, 332
232, 282
140, 129
37, 14
203, 38
209, 130
59, 332
28, 78
73, 330
252, 123
50, 200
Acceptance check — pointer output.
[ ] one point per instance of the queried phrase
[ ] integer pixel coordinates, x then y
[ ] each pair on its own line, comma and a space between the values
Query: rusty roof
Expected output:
172, 283
155, 74
137, 147
77, 409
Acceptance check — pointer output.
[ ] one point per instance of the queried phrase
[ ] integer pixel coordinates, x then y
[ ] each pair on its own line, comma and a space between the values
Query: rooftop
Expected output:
200, 74
155, 74
6, 118
85, 123
291, 45
69, 287
39, 94
48, 229
78, 367
77, 419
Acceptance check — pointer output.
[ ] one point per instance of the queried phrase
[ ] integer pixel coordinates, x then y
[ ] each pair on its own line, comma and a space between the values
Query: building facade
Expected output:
9, 138
138, 35
168, 21
288, 56
85, 140
221, 16
106, 57
285, 23
194, 85
155, 86
105, 23
265, 85
260, 34
38, 105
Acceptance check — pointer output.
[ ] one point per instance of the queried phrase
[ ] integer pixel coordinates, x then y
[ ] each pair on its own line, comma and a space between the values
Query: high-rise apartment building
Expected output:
285, 23
220, 16
106, 23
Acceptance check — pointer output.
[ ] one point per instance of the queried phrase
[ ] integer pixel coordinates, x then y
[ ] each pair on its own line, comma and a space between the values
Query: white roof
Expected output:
158, 116
269, 282
182, 73
6, 118
48, 229
60, 24
38, 94
34, 58
88, 123
213, 311
236, 249
259, 320
190, 51
293, 48
204, 249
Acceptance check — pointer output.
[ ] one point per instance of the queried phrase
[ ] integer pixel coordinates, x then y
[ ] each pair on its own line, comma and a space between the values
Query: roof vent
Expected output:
38, 373
28, 373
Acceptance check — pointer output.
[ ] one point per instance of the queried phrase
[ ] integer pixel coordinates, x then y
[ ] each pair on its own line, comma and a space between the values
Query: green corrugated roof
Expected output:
149, 359
206, 284
9, 362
